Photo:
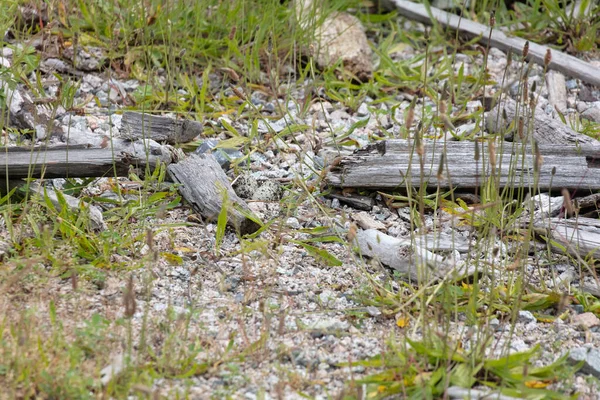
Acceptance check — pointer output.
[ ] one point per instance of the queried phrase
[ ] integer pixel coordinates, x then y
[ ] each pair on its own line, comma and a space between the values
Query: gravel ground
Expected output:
300, 316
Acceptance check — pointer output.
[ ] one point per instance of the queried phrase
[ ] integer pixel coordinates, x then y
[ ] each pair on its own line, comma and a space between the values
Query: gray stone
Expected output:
526, 317
590, 358
571, 84
592, 113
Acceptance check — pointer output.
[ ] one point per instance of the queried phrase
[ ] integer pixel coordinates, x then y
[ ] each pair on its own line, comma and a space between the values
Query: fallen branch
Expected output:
202, 185
412, 258
561, 62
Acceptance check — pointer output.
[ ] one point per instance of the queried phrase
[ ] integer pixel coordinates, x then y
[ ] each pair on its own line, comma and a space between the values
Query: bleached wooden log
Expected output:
539, 126
564, 63
136, 126
579, 236
411, 258
67, 161
393, 164
202, 185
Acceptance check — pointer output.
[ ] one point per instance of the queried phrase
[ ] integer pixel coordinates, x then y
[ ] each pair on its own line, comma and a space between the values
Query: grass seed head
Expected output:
567, 203
129, 298
548, 57
526, 49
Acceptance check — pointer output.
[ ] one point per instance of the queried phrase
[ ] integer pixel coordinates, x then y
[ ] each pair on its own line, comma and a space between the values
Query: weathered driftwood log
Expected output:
412, 258
66, 161
394, 164
136, 126
540, 126
203, 186
579, 236
564, 63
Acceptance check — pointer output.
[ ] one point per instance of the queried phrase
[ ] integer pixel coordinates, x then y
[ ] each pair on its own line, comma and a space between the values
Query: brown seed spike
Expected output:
538, 158
520, 128
129, 299
526, 49
492, 155
509, 59
567, 202
492, 19
440, 170
548, 58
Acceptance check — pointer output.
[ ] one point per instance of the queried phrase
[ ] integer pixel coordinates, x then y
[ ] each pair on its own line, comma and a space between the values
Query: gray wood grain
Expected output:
392, 164
539, 126
161, 129
580, 236
203, 182
564, 63
66, 161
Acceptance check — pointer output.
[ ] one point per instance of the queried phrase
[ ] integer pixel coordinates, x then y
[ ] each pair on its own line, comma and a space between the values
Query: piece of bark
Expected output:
161, 129
564, 63
364, 203
579, 236
541, 127
366, 221
588, 205
592, 288
65, 161
413, 259
393, 164
203, 182
557, 90
339, 37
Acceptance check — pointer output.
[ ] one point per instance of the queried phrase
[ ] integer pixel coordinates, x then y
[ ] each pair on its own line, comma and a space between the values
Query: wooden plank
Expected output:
392, 164
202, 185
161, 129
66, 161
561, 62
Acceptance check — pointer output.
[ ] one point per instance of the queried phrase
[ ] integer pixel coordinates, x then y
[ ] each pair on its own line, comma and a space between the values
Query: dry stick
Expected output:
561, 62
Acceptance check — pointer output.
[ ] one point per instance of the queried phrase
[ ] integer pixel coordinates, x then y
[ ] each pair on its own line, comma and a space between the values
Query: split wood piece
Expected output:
413, 259
564, 63
543, 128
339, 37
588, 206
203, 182
579, 236
65, 161
394, 164
136, 126
557, 90
364, 203
592, 288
